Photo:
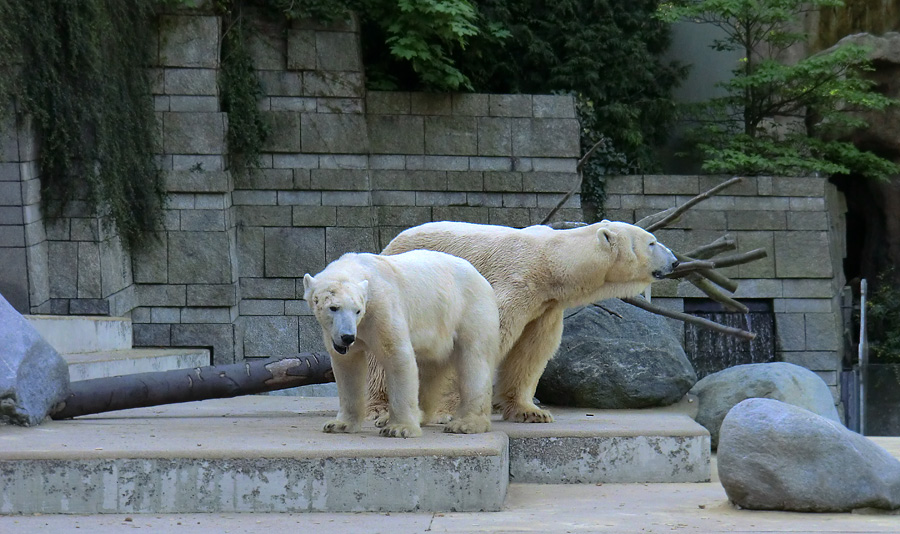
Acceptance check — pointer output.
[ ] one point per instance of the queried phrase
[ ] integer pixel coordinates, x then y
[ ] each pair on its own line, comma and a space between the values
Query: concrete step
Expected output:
86, 365
256, 454
77, 334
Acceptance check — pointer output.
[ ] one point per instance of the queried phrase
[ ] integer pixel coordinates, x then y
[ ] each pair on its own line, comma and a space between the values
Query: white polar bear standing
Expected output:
538, 272
423, 316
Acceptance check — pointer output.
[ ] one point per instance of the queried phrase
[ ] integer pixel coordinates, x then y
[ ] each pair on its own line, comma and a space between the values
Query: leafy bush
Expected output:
777, 118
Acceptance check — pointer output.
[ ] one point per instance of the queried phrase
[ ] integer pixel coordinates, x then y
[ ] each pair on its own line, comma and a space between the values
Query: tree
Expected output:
779, 118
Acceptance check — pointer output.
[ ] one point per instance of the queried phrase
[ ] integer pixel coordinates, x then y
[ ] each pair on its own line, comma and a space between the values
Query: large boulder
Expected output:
33, 376
775, 456
719, 392
629, 359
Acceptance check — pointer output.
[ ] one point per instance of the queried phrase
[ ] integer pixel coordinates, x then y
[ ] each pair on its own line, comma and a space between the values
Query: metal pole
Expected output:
863, 356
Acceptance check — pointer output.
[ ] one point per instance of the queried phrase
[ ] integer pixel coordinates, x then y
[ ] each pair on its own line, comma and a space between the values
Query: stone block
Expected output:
265, 44
486, 163
670, 185
38, 273
161, 295
199, 258
334, 133
301, 50
295, 161
89, 306
9, 172
281, 83
519, 200
791, 331
12, 236
268, 288
554, 106
551, 200
293, 103
494, 136
10, 194
262, 307
442, 163
343, 161
196, 181
514, 217
409, 180
340, 179
63, 269
471, 214
211, 295
822, 332
12, 215
152, 335
624, 185
757, 220
506, 182
362, 216
88, 270
298, 307
314, 216
265, 179
293, 252
465, 181
807, 204
338, 51
196, 163
196, 82
285, 135
470, 104
388, 162
31, 191
299, 198
263, 215
431, 103
194, 133
346, 198
560, 165
440, 198
334, 84
340, 105
814, 361
555, 138
748, 186
403, 216
267, 336
451, 135
254, 198
759, 288
763, 268
389, 103
207, 315
802, 255
115, 267
339, 240
190, 41
218, 336
384, 139
165, 315
807, 220
394, 198
250, 251
804, 305
757, 203
548, 182
203, 220
486, 200
510, 106
794, 186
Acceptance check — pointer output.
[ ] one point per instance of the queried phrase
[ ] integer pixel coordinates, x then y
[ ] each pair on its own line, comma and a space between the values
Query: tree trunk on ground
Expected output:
199, 383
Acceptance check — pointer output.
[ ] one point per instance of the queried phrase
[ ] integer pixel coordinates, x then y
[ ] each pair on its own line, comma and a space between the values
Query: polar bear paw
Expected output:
474, 424
527, 414
337, 426
401, 431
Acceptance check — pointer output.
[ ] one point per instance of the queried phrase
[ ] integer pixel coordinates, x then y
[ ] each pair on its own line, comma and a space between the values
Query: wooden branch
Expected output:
689, 266
713, 292
139, 390
739, 259
577, 187
726, 242
699, 321
566, 225
713, 276
676, 213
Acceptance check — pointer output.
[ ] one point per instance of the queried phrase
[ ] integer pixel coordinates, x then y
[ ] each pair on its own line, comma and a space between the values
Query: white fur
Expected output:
422, 316
537, 273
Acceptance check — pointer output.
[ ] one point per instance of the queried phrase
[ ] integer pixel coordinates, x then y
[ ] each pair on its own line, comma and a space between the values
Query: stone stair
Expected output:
98, 347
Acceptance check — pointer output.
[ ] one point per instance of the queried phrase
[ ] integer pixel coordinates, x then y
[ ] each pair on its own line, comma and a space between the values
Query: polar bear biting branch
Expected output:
536, 272
422, 316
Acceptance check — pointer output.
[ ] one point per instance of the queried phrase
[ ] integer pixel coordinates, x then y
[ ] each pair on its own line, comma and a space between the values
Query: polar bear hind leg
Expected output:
522, 368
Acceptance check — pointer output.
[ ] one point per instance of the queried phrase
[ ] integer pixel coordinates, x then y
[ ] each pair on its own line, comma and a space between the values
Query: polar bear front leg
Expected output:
402, 382
350, 375
522, 368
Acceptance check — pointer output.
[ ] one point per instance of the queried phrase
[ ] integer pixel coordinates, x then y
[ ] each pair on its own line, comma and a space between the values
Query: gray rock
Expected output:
789, 383
33, 376
609, 362
775, 456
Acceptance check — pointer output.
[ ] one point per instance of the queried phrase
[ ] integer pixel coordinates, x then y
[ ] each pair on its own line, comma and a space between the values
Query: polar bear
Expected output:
537, 272
422, 316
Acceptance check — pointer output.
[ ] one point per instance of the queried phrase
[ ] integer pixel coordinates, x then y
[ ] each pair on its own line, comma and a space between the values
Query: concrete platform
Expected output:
74, 334
248, 454
86, 365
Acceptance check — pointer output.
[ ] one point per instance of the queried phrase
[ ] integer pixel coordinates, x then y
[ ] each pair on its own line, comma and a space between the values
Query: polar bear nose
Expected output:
348, 339
675, 263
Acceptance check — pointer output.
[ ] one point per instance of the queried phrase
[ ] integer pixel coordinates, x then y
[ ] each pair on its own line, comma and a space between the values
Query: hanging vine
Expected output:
79, 72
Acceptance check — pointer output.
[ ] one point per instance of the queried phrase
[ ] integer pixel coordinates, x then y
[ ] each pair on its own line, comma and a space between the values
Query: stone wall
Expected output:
798, 221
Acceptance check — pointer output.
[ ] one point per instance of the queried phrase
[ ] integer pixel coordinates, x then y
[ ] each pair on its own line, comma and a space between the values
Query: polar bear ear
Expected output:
364, 286
308, 283
607, 237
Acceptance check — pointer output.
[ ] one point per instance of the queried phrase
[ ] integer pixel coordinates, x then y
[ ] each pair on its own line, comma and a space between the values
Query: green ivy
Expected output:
78, 70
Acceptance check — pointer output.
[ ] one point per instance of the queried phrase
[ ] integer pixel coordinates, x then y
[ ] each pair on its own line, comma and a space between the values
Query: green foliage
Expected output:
78, 70
776, 118
883, 313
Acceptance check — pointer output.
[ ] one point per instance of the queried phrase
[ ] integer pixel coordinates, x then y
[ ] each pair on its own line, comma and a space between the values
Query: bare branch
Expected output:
699, 321
739, 259
713, 292
577, 187
713, 276
690, 266
676, 213
726, 242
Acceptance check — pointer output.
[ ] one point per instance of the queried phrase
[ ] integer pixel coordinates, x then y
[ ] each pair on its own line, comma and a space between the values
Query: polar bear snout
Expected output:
665, 257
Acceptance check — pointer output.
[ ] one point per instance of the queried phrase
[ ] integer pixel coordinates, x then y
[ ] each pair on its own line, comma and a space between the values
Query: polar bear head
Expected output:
339, 305
639, 256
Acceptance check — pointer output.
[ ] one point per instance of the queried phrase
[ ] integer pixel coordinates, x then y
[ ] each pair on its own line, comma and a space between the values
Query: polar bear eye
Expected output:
358, 311
652, 244
333, 308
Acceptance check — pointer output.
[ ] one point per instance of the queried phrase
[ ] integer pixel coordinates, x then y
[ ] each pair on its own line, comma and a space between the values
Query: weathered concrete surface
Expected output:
87, 365
601, 446
248, 454
73, 334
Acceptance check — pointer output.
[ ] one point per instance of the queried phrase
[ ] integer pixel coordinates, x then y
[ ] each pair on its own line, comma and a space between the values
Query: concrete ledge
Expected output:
73, 334
87, 365
248, 454
603, 446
